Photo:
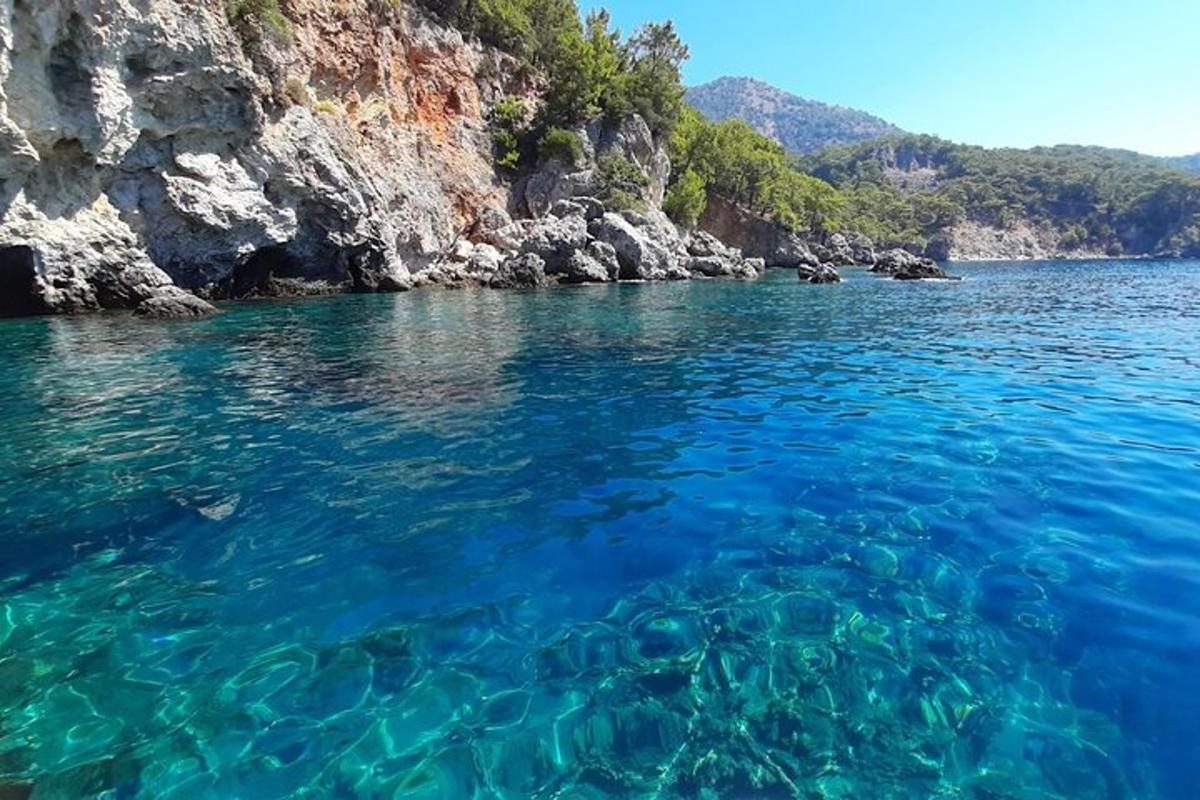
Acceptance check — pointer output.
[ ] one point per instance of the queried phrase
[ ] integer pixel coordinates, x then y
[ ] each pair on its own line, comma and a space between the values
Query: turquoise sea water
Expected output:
698, 540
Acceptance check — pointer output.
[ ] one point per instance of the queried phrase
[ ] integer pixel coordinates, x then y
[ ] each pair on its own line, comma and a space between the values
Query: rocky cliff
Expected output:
145, 146
148, 147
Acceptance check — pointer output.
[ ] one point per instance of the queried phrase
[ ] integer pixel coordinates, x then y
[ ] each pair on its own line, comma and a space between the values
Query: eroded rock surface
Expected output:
153, 150
145, 145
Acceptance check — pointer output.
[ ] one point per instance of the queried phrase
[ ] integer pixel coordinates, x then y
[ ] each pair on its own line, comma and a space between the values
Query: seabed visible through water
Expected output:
707, 540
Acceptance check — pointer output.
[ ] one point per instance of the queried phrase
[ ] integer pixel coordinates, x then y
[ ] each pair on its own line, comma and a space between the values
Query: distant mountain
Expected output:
802, 126
1190, 163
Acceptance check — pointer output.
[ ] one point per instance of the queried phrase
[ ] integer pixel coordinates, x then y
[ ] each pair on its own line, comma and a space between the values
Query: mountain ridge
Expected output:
1187, 163
801, 125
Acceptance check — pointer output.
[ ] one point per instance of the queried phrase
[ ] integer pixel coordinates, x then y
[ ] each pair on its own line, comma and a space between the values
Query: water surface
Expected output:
709, 539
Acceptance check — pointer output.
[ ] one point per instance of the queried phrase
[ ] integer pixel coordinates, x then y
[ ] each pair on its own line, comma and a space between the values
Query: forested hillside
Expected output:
1190, 163
917, 187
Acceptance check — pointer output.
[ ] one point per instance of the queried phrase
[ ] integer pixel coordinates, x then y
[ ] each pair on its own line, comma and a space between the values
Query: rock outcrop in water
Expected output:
150, 148
904, 266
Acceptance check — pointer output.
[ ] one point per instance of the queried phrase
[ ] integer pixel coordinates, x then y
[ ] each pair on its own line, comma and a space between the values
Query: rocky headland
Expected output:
155, 157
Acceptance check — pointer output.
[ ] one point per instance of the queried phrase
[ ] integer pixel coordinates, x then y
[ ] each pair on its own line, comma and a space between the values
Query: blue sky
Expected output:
991, 72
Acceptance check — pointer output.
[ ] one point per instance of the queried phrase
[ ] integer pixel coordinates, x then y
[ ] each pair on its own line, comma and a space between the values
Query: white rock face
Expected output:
631, 139
140, 147
148, 148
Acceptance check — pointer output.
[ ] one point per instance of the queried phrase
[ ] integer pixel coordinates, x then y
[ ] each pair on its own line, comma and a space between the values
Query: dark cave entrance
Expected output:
19, 295
254, 276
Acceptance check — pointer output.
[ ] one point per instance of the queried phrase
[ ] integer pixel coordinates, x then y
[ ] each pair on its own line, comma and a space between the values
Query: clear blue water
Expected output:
711, 540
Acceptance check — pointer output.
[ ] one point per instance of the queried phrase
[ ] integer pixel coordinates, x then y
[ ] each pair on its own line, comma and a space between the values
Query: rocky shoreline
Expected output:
157, 162
580, 242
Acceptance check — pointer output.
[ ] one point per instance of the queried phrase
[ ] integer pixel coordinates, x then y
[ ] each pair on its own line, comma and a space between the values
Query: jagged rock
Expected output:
485, 259
173, 303
862, 249
461, 251
526, 271
587, 207
676, 272
822, 273
566, 208
582, 268
757, 265
630, 139
142, 147
702, 243
448, 274
903, 265
555, 239
606, 256
837, 251
554, 182
640, 256
511, 236
709, 266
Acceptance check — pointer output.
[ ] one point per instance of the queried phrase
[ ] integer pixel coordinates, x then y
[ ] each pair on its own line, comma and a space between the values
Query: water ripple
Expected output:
696, 540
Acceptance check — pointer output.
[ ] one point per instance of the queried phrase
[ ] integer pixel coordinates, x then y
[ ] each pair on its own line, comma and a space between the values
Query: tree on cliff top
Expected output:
733, 161
589, 70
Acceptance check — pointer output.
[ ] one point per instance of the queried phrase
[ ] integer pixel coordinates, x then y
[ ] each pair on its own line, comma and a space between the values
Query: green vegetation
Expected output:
621, 183
590, 72
731, 160
686, 198
254, 18
561, 144
508, 118
1101, 199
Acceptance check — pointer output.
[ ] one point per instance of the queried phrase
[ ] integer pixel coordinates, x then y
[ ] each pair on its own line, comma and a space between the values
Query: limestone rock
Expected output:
822, 273
630, 139
173, 303
555, 239
604, 254
583, 268
755, 236
142, 147
836, 251
640, 256
526, 271
862, 249
587, 207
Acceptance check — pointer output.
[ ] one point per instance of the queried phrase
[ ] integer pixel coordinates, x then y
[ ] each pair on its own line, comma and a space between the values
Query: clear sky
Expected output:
1120, 73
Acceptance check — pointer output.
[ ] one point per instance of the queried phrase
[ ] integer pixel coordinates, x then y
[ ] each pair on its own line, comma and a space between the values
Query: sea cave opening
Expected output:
19, 295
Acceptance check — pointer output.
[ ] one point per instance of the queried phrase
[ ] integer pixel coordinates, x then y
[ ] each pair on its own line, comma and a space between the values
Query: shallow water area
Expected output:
695, 540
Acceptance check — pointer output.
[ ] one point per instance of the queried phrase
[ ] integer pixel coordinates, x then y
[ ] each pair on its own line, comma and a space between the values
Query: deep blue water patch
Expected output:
710, 540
